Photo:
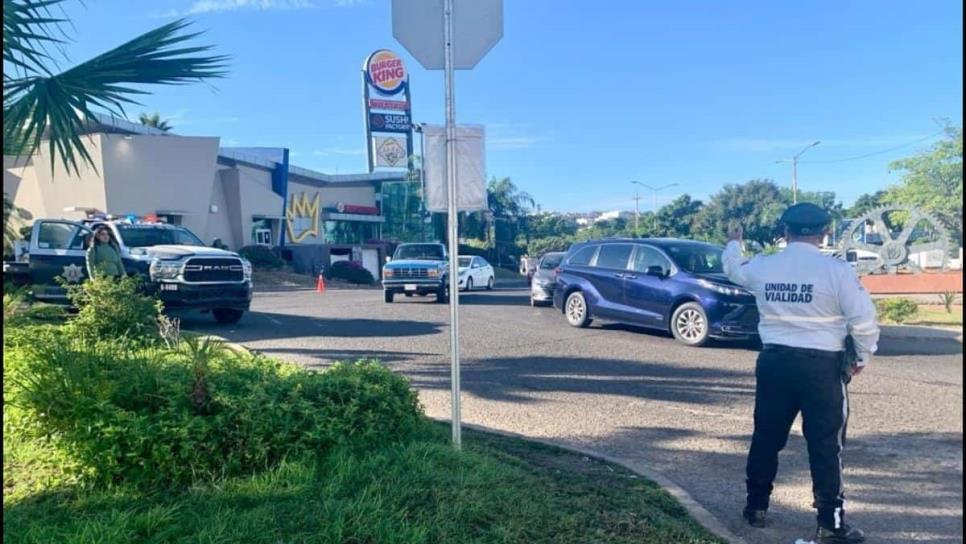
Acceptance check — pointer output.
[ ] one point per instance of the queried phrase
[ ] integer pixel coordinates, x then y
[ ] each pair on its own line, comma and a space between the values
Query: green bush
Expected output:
18, 310
350, 271
262, 257
154, 417
897, 310
111, 309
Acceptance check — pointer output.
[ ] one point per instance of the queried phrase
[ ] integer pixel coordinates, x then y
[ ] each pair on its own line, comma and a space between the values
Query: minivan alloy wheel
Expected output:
576, 310
690, 324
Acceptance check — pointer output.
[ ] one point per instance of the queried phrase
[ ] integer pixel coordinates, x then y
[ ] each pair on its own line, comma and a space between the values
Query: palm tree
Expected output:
41, 103
507, 200
154, 121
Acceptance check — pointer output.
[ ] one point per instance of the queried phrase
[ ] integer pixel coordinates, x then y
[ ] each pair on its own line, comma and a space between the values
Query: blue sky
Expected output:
581, 97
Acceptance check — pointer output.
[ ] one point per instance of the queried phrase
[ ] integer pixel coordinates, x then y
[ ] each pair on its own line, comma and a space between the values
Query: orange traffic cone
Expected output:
320, 285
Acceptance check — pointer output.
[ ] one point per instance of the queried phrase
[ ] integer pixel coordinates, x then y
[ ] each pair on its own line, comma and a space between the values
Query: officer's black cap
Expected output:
805, 219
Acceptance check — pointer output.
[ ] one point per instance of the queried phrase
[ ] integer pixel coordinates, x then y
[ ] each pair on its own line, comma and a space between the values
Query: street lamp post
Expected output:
794, 161
654, 191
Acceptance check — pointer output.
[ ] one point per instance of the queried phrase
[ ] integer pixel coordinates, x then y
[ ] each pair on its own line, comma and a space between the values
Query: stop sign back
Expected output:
418, 26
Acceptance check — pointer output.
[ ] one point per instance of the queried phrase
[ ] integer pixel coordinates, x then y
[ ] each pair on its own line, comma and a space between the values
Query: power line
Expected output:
876, 152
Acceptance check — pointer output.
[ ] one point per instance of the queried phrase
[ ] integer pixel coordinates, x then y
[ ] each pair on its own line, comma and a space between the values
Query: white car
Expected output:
475, 272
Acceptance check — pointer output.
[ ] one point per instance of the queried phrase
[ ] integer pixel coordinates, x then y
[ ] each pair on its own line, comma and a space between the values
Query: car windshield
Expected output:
551, 261
147, 236
431, 252
465, 262
696, 258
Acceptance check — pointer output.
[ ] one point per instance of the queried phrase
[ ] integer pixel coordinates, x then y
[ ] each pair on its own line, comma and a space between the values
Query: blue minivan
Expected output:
660, 283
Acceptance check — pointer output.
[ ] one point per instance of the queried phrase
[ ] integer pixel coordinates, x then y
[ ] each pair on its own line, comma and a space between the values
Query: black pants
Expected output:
789, 381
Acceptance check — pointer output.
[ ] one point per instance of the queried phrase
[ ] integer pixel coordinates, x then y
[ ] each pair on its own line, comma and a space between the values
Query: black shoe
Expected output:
755, 518
842, 535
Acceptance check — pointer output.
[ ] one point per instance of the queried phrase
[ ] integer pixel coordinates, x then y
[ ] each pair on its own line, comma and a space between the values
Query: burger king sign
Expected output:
386, 72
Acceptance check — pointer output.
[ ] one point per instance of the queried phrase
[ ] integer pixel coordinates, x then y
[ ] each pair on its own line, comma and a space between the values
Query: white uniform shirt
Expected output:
806, 299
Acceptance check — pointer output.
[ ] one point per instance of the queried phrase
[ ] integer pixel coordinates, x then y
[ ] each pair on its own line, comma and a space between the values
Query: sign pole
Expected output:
454, 331
365, 116
416, 25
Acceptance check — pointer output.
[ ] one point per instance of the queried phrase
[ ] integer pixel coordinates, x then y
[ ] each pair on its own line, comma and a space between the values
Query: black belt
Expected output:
802, 351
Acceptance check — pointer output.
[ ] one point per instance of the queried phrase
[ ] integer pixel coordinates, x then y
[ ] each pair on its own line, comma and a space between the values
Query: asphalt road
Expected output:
641, 396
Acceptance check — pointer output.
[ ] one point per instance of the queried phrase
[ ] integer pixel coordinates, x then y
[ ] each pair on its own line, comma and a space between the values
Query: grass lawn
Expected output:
498, 490
936, 315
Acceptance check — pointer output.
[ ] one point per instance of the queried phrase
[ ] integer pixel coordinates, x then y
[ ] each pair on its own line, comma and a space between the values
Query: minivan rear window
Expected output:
583, 256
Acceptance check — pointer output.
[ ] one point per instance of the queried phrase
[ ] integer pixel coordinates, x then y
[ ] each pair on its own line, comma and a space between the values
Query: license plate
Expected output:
410, 287
169, 286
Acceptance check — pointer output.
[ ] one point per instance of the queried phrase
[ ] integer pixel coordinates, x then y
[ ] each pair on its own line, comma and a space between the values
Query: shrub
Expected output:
948, 298
897, 310
114, 308
262, 257
18, 310
350, 271
156, 417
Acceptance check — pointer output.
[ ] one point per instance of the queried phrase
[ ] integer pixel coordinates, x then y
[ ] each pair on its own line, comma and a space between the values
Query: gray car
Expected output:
541, 286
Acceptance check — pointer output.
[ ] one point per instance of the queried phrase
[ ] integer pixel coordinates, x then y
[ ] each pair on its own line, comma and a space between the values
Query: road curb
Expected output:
915, 332
708, 520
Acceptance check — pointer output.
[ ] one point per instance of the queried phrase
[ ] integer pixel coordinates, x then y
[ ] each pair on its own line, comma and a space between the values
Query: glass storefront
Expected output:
349, 232
402, 206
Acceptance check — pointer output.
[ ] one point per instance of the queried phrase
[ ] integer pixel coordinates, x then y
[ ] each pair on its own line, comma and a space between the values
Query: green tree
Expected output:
550, 224
41, 103
823, 199
756, 206
933, 181
676, 219
154, 121
507, 200
865, 203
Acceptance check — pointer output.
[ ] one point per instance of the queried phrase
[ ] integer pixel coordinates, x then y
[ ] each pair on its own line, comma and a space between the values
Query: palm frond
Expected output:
58, 107
28, 28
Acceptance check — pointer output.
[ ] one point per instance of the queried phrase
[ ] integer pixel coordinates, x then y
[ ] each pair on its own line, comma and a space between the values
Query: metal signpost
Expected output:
449, 35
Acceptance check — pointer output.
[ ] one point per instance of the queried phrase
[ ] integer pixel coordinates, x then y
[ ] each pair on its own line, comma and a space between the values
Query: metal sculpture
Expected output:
892, 255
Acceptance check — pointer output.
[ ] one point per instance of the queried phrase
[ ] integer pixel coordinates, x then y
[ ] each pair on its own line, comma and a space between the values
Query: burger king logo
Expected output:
386, 72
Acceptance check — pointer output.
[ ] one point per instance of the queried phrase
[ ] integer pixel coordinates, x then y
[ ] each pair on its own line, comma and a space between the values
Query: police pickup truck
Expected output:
174, 264
417, 269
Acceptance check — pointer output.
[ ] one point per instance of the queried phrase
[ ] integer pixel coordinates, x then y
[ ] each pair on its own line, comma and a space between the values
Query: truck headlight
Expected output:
432, 273
164, 270
387, 272
247, 269
729, 290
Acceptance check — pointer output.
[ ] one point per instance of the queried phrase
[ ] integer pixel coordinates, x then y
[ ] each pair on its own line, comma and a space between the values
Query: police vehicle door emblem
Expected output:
73, 273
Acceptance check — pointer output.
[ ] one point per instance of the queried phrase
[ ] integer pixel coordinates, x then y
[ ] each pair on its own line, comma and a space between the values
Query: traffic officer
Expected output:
808, 304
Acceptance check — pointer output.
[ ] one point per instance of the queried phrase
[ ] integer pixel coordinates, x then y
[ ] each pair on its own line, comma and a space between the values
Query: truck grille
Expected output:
202, 270
410, 273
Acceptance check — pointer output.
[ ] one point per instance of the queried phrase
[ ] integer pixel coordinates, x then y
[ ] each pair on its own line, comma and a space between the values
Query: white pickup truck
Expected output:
174, 263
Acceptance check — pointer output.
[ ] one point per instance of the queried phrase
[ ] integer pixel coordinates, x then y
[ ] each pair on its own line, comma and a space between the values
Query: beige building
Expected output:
239, 196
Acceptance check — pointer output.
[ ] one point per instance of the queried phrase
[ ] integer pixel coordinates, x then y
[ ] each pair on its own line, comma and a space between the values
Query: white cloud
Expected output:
512, 142
214, 6
503, 136
773, 145
345, 151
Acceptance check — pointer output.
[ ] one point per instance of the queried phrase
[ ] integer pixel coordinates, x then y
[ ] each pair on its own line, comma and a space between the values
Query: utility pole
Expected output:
794, 161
